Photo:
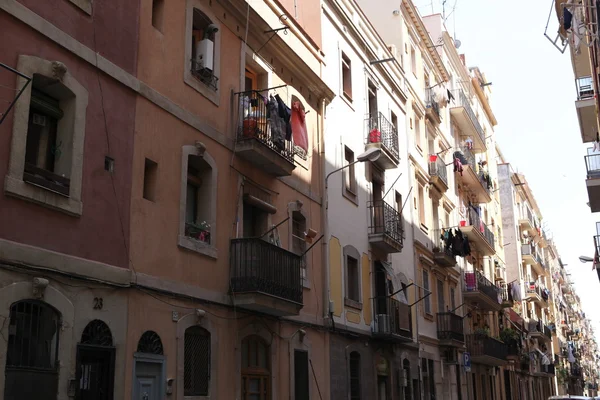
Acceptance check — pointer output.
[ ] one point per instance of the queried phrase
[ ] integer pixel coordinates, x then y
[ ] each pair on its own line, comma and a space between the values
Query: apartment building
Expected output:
67, 156
370, 293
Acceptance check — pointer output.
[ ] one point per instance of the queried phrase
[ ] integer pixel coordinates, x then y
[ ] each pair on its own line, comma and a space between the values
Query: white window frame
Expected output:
74, 120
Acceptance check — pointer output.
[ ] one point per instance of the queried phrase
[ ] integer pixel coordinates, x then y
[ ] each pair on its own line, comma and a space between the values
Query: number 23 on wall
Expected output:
98, 303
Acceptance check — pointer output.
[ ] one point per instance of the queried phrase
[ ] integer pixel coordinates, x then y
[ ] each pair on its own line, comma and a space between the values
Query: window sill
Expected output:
201, 87
357, 305
41, 196
197, 246
347, 100
428, 316
306, 283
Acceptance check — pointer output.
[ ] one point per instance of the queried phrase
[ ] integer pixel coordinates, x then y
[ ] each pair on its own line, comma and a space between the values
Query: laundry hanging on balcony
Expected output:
277, 122
299, 126
455, 242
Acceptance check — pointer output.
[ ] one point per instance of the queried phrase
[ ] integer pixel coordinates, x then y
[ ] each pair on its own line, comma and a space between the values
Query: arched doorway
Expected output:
95, 363
149, 368
256, 369
32, 352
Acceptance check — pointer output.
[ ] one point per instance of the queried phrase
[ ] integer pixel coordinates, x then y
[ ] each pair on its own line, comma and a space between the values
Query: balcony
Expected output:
538, 330
257, 142
526, 219
478, 233
433, 107
386, 230
265, 277
438, 172
513, 351
393, 320
533, 292
474, 177
531, 256
586, 108
383, 135
450, 329
442, 250
478, 289
487, 350
592, 165
463, 114
506, 296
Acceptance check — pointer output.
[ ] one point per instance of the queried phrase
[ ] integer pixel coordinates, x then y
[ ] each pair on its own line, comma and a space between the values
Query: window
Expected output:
256, 376
157, 14
301, 376
426, 300
298, 238
452, 298
352, 279
202, 50
422, 215
198, 205
150, 173
46, 156
346, 77
418, 138
196, 375
440, 296
394, 120
198, 200
355, 376
255, 221
413, 61
373, 109
349, 173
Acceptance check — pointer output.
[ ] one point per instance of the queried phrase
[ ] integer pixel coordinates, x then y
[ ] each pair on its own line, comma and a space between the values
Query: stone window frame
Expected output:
185, 322
211, 94
84, 5
75, 120
300, 342
197, 246
294, 207
351, 251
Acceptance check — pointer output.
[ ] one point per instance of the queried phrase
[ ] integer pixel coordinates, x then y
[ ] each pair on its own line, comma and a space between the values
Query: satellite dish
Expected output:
457, 43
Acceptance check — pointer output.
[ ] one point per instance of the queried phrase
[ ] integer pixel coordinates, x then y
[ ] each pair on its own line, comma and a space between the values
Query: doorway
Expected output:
149, 368
95, 363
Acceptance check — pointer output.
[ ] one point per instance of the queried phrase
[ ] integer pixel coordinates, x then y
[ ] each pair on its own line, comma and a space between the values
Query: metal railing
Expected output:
439, 169
475, 281
385, 219
461, 100
440, 245
475, 220
592, 166
536, 289
380, 130
259, 266
431, 103
505, 295
467, 157
547, 332
392, 317
479, 345
585, 87
450, 327
254, 124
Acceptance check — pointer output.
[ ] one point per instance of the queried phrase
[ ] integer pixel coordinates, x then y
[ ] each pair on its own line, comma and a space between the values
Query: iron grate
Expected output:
150, 343
97, 333
196, 362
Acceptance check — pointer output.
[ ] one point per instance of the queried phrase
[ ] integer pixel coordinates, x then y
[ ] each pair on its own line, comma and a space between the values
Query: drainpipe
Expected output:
324, 207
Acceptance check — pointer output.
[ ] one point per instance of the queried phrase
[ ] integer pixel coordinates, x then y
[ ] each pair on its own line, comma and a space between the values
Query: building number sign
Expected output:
98, 303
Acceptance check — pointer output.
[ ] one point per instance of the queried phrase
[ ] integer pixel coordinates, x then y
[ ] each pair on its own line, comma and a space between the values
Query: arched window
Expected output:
150, 343
355, 376
95, 362
196, 362
32, 352
256, 376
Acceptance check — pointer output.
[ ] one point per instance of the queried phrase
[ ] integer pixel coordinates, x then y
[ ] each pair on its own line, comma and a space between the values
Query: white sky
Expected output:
533, 98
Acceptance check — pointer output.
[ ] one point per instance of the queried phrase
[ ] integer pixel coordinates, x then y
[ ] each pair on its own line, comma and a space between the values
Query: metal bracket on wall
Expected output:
12, 102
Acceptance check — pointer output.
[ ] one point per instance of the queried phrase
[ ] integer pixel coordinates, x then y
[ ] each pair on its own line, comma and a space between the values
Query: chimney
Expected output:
462, 58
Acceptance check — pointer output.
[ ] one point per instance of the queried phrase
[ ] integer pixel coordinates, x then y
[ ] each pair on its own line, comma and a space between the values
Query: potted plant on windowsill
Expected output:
200, 232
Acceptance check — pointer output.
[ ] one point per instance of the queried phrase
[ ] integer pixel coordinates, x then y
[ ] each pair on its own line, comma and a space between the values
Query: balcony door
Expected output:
377, 180
381, 288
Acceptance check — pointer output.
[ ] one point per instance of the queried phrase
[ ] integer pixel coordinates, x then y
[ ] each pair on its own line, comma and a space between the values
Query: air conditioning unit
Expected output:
205, 54
382, 323
451, 356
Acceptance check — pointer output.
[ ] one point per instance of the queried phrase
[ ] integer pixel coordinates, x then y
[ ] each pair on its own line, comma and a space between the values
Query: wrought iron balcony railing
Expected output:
450, 327
475, 220
254, 124
438, 168
592, 166
479, 345
392, 317
431, 103
462, 101
475, 281
259, 266
380, 130
385, 219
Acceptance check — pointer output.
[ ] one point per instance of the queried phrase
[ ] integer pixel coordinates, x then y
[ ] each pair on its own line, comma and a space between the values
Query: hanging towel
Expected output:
286, 113
567, 18
470, 281
299, 126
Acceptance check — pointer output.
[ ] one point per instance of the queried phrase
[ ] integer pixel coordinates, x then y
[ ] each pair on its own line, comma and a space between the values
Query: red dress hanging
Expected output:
299, 131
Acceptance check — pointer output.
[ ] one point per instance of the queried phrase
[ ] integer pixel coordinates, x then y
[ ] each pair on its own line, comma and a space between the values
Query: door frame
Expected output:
151, 359
111, 371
